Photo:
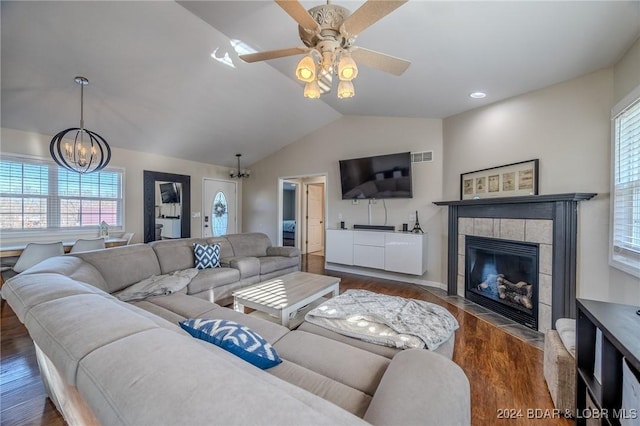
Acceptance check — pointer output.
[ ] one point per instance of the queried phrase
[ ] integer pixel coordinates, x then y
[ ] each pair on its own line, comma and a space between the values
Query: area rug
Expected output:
386, 320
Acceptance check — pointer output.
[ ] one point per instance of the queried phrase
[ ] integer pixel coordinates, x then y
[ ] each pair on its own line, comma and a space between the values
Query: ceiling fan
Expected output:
328, 33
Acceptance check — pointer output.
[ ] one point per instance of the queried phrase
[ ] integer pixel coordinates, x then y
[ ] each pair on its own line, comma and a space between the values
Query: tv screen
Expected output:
169, 193
382, 176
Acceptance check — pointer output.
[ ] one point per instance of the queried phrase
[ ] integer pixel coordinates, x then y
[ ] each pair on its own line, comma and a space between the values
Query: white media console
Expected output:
391, 251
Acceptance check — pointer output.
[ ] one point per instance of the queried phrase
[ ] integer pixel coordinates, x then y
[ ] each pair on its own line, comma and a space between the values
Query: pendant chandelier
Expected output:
240, 173
78, 149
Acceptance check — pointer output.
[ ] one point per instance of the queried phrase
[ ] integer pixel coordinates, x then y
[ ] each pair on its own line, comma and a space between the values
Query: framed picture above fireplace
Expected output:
510, 180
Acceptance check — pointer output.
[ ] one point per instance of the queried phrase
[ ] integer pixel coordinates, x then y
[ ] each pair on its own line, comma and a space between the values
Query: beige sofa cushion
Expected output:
338, 361
177, 307
174, 255
34, 290
71, 267
442, 386
271, 264
253, 244
122, 266
207, 386
212, 278
247, 266
68, 335
350, 399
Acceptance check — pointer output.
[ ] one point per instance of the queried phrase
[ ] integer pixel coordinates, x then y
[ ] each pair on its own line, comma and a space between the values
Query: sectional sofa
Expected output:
245, 259
104, 361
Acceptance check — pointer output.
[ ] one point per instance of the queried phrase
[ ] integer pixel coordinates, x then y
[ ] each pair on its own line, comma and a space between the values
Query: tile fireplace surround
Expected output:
549, 220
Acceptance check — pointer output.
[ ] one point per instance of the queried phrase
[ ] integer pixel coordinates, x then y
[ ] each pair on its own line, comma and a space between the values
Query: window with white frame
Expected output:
625, 199
38, 195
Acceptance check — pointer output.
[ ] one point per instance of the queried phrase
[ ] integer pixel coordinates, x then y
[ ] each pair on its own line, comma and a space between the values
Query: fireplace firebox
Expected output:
502, 275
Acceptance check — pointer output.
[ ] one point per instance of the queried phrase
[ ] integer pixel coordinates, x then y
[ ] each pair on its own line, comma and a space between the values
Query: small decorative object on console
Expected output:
416, 228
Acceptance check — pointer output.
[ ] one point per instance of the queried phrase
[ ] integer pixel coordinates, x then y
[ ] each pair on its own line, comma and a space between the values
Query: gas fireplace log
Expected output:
491, 281
519, 299
520, 293
521, 287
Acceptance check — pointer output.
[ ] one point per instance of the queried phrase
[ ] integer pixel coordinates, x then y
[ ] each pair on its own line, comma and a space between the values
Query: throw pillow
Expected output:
207, 256
235, 338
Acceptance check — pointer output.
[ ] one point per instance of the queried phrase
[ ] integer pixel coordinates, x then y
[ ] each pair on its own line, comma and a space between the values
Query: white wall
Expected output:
566, 126
133, 162
626, 73
353, 137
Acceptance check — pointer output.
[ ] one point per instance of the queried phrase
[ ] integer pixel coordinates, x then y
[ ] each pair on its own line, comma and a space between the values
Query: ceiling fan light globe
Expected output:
346, 90
312, 90
347, 68
306, 69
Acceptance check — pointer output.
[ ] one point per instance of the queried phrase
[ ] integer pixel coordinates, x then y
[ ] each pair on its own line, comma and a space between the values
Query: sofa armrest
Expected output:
248, 266
559, 369
421, 387
283, 251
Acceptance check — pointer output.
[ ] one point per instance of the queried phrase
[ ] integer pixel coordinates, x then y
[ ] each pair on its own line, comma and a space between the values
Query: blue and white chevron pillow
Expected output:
235, 338
207, 256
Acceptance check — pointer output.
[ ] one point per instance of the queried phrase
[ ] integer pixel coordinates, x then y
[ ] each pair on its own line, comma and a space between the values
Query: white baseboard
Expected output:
375, 273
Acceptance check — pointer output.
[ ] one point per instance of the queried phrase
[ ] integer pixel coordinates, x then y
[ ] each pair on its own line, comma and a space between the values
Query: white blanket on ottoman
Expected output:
385, 320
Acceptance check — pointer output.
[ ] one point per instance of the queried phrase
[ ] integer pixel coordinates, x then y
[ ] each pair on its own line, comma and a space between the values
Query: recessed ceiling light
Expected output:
477, 95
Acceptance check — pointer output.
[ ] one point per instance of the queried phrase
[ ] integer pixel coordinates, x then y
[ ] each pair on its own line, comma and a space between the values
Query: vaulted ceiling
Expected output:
165, 77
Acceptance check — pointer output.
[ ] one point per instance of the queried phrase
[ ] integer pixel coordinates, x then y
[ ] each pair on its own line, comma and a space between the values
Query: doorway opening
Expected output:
302, 209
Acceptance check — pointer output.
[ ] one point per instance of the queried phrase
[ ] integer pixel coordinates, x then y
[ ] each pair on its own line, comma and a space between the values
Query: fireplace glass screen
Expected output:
502, 275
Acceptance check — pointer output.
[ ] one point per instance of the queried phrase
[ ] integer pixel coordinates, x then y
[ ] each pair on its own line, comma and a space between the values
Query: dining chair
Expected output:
88, 245
128, 236
35, 253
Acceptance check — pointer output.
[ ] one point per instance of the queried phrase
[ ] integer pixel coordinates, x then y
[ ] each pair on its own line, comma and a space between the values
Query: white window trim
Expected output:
9, 237
621, 262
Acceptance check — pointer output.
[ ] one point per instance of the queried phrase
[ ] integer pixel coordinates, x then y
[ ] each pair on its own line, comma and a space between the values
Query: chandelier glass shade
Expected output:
346, 90
77, 149
312, 90
347, 68
306, 69
317, 75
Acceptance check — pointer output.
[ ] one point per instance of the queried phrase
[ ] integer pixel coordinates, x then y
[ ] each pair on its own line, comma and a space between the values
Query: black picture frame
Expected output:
509, 180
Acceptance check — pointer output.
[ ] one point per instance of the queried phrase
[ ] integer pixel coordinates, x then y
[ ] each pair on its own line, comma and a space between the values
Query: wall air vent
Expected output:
422, 157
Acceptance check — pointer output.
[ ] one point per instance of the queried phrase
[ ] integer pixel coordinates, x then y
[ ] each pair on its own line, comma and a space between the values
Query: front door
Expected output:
219, 208
315, 217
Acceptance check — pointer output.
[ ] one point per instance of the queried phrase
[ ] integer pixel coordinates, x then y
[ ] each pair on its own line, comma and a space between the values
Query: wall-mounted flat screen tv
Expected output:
169, 193
382, 176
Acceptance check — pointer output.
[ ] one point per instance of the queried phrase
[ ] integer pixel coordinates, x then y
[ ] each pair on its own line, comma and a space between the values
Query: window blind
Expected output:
40, 195
626, 189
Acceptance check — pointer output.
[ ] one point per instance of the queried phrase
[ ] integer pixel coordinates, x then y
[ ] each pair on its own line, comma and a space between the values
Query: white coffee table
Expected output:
285, 295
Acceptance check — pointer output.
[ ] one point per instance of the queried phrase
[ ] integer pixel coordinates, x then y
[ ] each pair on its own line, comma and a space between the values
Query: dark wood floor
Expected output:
505, 372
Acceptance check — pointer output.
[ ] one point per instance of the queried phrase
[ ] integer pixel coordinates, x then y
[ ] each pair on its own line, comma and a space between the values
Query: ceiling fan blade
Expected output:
368, 14
273, 54
381, 61
299, 13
